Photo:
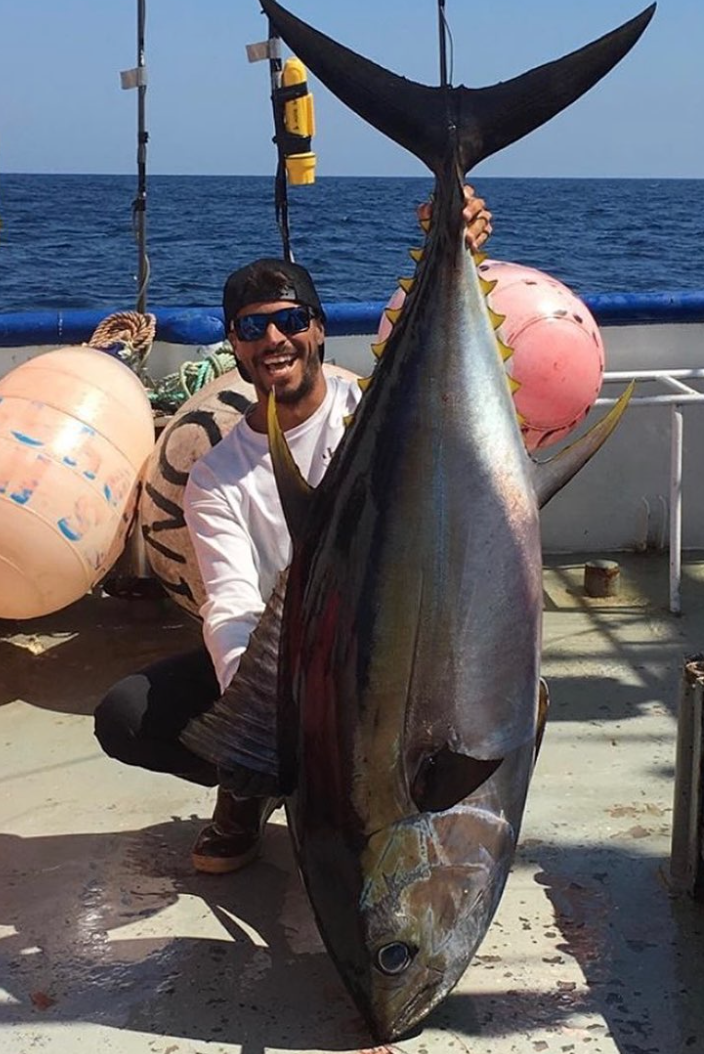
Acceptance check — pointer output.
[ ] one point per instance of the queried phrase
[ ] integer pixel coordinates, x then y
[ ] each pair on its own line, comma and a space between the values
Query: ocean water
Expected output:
67, 241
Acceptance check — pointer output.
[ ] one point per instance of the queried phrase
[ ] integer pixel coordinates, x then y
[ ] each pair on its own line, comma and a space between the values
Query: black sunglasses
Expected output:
288, 320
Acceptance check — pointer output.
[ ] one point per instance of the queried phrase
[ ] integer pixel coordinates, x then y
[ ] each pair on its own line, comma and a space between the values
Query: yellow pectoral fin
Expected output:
294, 491
549, 476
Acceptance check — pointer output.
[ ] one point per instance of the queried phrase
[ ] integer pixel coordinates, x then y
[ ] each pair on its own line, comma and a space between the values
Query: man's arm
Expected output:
225, 557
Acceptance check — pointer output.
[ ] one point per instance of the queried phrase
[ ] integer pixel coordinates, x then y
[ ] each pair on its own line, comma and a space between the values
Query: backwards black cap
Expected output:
268, 280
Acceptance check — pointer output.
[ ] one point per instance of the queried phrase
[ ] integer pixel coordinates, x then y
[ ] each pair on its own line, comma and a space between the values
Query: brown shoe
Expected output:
233, 838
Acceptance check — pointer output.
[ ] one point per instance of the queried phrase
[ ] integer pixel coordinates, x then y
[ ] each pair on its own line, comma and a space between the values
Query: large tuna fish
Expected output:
409, 676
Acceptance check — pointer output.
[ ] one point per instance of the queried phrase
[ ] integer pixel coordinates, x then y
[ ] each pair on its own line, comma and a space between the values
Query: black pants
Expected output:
140, 719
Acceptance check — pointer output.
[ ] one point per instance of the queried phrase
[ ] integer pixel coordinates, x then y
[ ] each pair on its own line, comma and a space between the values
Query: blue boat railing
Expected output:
204, 325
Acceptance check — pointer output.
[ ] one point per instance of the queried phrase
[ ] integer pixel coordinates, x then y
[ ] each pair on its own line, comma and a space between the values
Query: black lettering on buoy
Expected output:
235, 400
181, 589
203, 419
170, 507
175, 521
165, 550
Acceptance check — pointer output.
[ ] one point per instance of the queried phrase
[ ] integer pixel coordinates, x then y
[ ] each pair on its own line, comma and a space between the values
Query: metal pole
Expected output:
677, 422
443, 43
140, 203
685, 856
280, 186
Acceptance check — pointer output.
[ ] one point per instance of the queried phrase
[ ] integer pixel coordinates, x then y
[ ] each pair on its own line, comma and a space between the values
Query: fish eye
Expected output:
394, 958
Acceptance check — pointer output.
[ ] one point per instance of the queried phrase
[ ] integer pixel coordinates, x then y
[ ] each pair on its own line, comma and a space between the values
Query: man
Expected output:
276, 325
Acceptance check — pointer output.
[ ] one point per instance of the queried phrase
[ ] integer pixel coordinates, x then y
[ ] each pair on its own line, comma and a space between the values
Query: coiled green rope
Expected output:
131, 335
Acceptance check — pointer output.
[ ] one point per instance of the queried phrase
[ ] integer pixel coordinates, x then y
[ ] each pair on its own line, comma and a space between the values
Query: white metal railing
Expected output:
679, 395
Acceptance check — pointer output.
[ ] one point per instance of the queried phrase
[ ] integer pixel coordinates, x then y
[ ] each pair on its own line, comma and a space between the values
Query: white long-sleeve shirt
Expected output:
236, 521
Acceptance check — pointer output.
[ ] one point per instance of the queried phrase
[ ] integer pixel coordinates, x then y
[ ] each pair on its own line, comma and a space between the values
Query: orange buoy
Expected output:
75, 430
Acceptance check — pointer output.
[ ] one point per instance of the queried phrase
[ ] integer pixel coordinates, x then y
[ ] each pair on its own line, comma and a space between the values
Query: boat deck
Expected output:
110, 941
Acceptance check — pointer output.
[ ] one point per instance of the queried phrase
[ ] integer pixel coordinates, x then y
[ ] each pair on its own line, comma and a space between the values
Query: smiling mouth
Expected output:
275, 365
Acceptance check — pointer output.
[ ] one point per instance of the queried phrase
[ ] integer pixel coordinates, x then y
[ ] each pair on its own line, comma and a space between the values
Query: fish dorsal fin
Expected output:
294, 491
551, 475
423, 119
446, 778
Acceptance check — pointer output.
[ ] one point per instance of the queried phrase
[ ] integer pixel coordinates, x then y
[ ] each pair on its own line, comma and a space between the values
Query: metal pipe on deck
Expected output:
676, 447
686, 849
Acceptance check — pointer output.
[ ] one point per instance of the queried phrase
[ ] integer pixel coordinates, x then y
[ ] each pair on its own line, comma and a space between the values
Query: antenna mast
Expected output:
442, 25
139, 206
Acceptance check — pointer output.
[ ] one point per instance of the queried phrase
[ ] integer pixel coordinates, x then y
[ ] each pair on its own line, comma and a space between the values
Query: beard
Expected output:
288, 396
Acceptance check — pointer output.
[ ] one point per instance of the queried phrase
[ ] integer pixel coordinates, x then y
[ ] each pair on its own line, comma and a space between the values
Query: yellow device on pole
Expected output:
299, 122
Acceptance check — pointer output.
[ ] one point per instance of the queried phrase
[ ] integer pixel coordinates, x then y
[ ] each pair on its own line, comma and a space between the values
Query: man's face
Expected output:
288, 362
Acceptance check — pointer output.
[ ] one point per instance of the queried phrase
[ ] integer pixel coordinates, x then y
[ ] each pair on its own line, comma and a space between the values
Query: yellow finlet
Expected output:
347, 420
504, 350
379, 348
514, 385
416, 255
364, 382
406, 284
294, 490
486, 285
425, 225
393, 314
478, 257
495, 319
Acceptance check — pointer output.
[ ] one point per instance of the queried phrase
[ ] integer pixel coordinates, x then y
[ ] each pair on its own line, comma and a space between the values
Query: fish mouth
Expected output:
400, 1020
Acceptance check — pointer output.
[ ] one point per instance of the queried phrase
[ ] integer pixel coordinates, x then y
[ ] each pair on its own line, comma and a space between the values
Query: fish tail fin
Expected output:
472, 124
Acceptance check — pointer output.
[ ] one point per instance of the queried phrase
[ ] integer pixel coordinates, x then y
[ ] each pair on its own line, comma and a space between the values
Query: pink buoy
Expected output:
75, 430
558, 353
201, 422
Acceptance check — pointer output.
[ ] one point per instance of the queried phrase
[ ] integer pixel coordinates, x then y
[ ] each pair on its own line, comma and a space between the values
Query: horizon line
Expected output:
422, 176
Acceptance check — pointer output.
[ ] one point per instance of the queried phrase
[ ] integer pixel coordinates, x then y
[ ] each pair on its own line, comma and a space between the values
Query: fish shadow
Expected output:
116, 929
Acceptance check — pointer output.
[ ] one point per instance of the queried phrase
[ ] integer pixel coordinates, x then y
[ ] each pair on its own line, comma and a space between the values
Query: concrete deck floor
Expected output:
109, 940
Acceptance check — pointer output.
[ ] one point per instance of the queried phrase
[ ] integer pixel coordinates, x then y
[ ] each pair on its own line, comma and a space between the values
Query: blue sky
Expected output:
62, 109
